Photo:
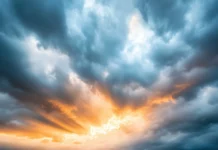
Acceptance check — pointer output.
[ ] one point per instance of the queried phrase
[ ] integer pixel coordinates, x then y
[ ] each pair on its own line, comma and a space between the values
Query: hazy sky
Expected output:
109, 74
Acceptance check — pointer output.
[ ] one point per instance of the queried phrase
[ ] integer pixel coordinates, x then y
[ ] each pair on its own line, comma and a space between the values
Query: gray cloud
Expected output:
178, 46
186, 125
163, 15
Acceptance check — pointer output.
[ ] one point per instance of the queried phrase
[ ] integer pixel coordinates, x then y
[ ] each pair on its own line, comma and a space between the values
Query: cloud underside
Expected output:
66, 66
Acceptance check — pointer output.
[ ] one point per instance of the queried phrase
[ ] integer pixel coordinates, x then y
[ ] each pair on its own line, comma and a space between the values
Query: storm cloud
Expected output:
64, 62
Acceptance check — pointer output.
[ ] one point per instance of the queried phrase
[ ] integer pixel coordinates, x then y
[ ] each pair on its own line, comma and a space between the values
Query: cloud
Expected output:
163, 16
66, 66
185, 125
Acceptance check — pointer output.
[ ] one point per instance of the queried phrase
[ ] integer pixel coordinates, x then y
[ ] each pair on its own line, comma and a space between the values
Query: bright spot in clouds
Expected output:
108, 74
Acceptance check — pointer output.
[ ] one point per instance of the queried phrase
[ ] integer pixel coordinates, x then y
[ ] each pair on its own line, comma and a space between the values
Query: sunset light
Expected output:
108, 74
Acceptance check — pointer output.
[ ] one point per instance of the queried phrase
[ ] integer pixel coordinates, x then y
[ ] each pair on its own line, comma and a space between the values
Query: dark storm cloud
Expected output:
203, 36
187, 125
19, 82
10, 109
92, 55
16, 76
200, 34
105, 34
46, 19
183, 50
164, 16
189, 39
192, 123
41, 16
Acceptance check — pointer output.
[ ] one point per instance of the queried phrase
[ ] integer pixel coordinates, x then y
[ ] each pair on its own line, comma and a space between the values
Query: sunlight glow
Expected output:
113, 123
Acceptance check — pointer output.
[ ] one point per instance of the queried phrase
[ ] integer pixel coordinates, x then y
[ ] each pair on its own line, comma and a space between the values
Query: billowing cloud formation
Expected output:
75, 74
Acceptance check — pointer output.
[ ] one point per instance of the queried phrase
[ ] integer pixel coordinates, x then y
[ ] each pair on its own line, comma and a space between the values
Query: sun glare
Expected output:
113, 123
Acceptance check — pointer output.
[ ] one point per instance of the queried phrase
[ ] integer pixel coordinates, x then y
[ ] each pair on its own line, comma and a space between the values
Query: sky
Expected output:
109, 74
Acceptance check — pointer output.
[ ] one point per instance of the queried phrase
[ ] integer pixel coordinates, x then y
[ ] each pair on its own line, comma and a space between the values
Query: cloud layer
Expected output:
66, 66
